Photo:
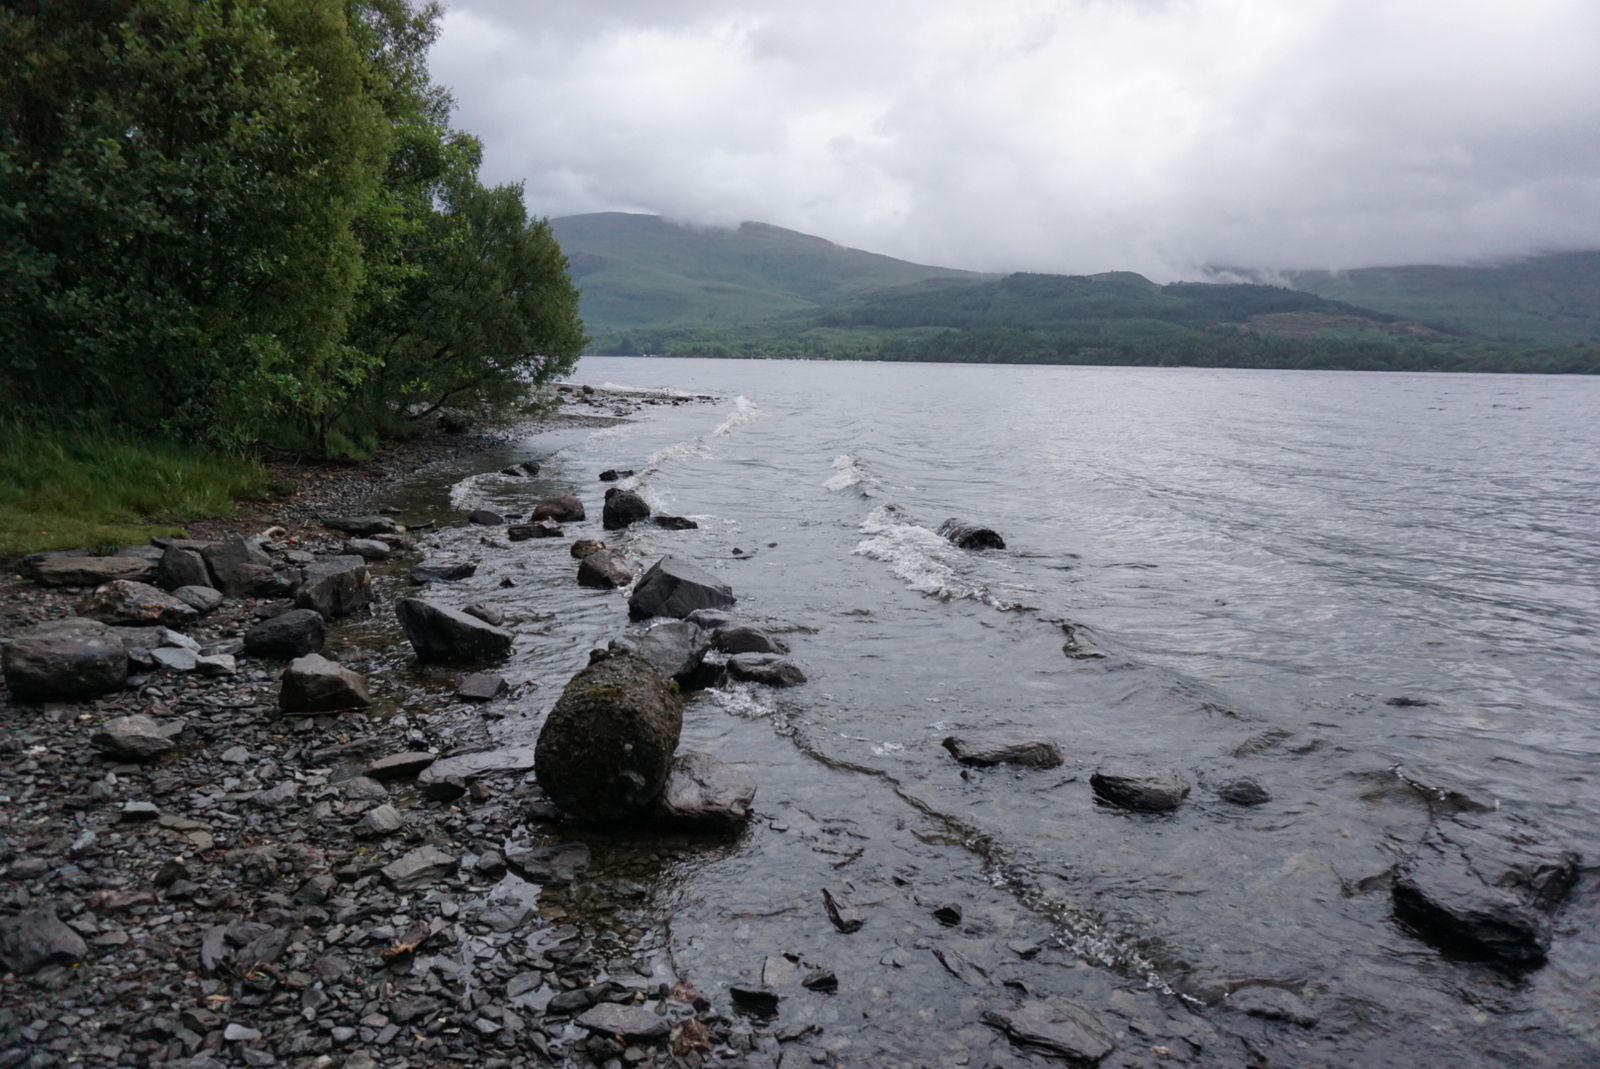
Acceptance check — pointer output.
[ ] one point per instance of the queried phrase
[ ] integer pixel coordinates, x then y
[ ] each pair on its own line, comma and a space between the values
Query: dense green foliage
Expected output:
227, 222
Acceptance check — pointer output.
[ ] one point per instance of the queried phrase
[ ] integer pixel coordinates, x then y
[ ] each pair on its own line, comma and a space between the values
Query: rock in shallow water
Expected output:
703, 791
674, 587
314, 684
336, 586
1054, 1027
1244, 790
746, 639
1141, 787
450, 637
562, 508
623, 508
606, 748
1003, 747
604, 570
970, 535
676, 649
64, 660
448, 571
543, 529
1486, 888
773, 669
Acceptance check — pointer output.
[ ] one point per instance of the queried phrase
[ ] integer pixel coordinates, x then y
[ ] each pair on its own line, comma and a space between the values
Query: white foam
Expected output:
926, 562
744, 412
848, 473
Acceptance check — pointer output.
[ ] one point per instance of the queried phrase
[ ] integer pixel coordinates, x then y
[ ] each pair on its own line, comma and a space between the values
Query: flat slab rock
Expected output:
129, 603
467, 765
1054, 1027
64, 660
985, 748
629, 1022
399, 766
92, 571
422, 866
1145, 788
1485, 887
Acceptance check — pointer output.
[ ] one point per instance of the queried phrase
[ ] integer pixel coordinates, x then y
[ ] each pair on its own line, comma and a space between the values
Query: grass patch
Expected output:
60, 489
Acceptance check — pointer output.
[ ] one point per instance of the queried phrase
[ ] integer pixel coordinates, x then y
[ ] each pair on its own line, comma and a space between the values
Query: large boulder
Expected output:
287, 635
705, 792
64, 660
996, 747
314, 684
1485, 887
676, 648
336, 586
1140, 787
125, 602
238, 566
605, 751
674, 587
623, 508
91, 571
773, 669
448, 636
180, 567
563, 508
970, 535
604, 570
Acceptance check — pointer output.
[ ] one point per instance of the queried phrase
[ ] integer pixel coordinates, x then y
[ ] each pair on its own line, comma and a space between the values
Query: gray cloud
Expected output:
1160, 136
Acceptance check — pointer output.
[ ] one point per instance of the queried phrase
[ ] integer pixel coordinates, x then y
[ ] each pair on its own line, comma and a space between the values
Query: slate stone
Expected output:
970, 535
314, 684
629, 1022
133, 738
562, 508
399, 766
487, 613
1272, 1004
361, 526
238, 566
674, 587
676, 648
447, 636
134, 604
295, 633
604, 570
522, 532
674, 523
773, 669
1054, 1027
33, 939
742, 638
712, 619
379, 821
419, 868
448, 571
335, 586
1144, 788
705, 792
64, 660
28, 565
368, 548
181, 568
216, 665
202, 599
175, 658
623, 508
485, 518
562, 863
1243, 790
92, 571
983, 748
482, 687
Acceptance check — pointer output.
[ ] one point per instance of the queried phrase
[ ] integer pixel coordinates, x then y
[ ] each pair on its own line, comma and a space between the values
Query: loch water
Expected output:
1377, 594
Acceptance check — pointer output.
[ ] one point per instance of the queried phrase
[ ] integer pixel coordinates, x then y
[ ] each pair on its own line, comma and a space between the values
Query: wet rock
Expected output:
676, 648
335, 586
743, 638
757, 999
419, 868
1485, 888
487, 613
562, 508
134, 738
202, 599
180, 568
448, 571
379, 821
711, 619
1244, 790
1054, 1027
63, 660
542, 529
604, 570
773, 669
36, 938
948, 914
985, 748
674, 587
295, 633
482, 687
314, 684
529, 467
962, 967
629, 1022
623, 508
970, 535
485, 518
585, 546
675, 523
1272, 1004
136, 605
562, 863
361, 526
845, 916
238, 566
1140, 787
368, 548
606, 748
703, 791
447, 636
611, 475
469, 765
91, 571
399, 766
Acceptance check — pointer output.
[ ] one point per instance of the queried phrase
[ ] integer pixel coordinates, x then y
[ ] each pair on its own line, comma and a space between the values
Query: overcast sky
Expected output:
1074, 136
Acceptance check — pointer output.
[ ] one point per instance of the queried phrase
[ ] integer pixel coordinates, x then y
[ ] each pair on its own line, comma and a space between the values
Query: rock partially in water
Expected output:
562, 508
135, 738
543, 529
999, 747
1054, 1027
1243, 790
676, 648
485, 518
287, 636
585, 546
1272, 1004
238, 566
970, 535
447, 636
487, 613
606, 748
611, 475
1140, 787
746, 639
705, 792
368, 548
180, 568
314, 684
674, 587
604, 570
561, 863
448, 571
361, 526
629, 1022
64, 660
30, 941
1485, 888
91, 571
482, 687
623, 508
675, 523
336, 586
711, 619
773, 669
841, 912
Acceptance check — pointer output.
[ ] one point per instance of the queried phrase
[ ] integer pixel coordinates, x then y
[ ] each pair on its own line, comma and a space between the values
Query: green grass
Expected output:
61, 489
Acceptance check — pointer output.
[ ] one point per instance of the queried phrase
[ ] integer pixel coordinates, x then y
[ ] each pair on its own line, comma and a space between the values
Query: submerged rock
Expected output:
482, 687
1272, 1004
1141, 787
563, 508
447, 570
63, 660
1054, 1027
674, 587
773, 669
336, 586
611, 475
604, 570
91, 571
543, 529
1003, 747
314, 684
675, 523
585, 546
623, 508
1485, 887
675, 649
970, 535
287, 635
448, 636
703, 791
1244, 790
606, 748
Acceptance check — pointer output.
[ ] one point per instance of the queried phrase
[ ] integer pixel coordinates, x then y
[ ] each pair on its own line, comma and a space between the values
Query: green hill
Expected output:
641, 271
1544, 300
